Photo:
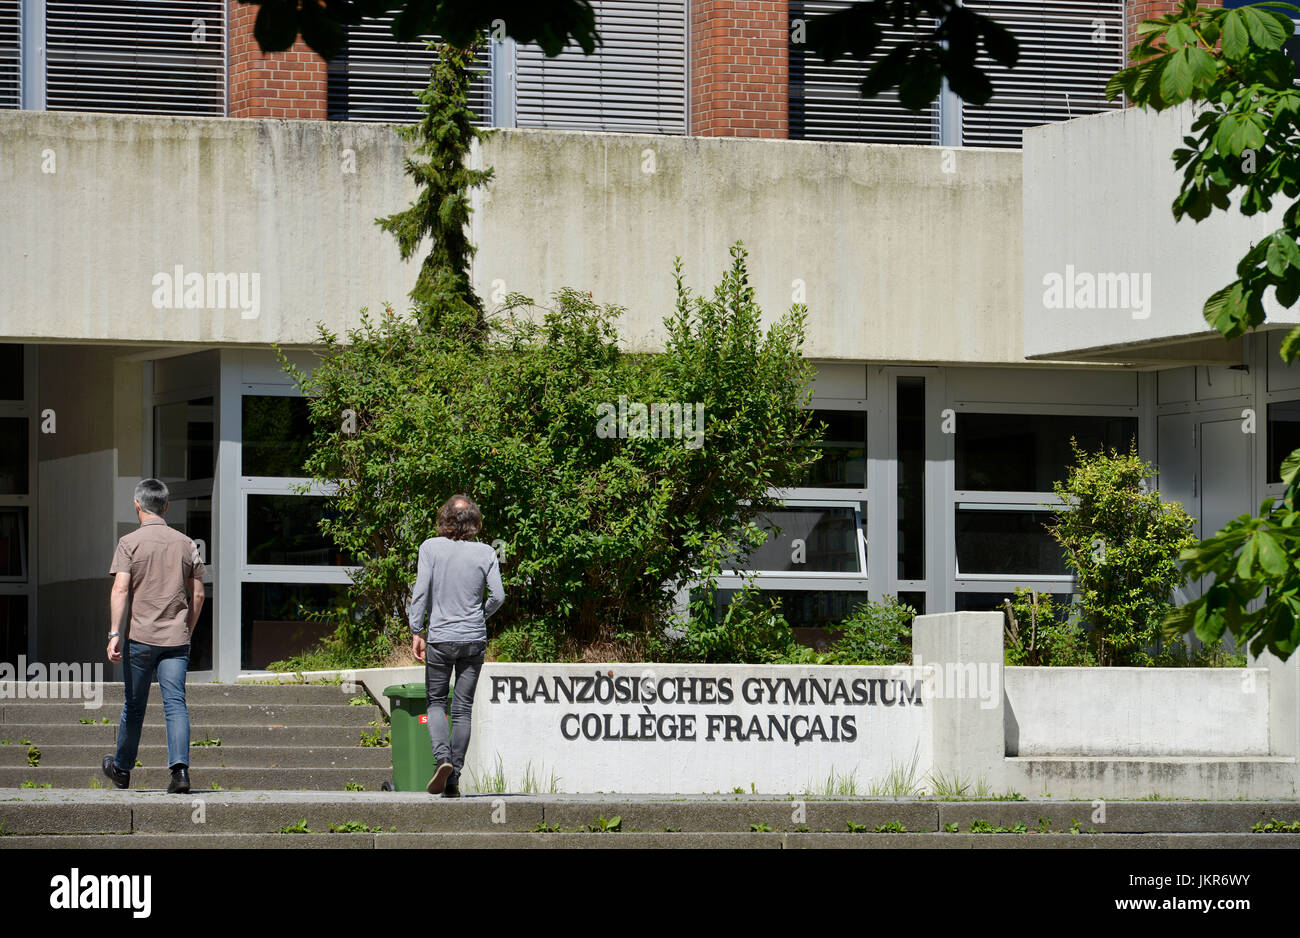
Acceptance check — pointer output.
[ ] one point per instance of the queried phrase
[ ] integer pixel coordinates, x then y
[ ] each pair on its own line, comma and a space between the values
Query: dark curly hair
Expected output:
459, 518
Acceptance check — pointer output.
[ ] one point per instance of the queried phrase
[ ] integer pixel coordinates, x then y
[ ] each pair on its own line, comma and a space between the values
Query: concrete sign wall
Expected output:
697, 728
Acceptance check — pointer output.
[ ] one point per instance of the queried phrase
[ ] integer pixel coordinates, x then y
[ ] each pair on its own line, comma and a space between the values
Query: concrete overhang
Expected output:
901, 253
1108, 273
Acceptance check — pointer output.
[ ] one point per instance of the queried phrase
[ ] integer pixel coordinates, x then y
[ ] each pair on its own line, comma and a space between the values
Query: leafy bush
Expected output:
596, 532
874, 633
1038, 632
1122, 542
749, 629
527, 641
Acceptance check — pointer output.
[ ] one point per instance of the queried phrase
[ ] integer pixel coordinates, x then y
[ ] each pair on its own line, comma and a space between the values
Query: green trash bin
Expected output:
412, 753
409, 735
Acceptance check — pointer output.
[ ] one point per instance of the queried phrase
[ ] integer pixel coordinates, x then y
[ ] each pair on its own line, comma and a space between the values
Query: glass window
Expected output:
844, 450
284, 529
277, 620
992, 602
809, 608
184, 434
13, 456
1028, 452
811, 540
915, 600
1007, 541
11, 372
193, 516
13, 627
911, 478
13, 543
277, 436
1283, 435
201, 647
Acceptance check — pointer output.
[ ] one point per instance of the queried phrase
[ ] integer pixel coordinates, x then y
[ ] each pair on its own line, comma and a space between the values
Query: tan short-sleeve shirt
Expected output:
162, 561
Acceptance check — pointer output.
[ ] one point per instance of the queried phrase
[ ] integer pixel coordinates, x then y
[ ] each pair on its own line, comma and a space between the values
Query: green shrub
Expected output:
528, 641
1123, 543
874, 633
748, 629
1038, 632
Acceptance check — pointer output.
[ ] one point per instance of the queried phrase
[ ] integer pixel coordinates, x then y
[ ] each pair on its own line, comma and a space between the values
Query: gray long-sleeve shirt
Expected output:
449, 583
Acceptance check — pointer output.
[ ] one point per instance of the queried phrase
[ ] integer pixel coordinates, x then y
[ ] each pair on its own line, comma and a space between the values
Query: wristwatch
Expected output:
114, 634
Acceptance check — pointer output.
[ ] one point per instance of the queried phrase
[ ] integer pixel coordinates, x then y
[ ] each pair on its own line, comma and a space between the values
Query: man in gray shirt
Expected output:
452, 575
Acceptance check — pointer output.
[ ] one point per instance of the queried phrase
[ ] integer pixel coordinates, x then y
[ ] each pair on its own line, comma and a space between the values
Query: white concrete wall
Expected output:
531, 736
1137, 711
1098, 193
901, 259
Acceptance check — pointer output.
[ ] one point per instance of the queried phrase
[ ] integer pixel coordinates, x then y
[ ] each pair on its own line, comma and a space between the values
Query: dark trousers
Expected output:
440, 659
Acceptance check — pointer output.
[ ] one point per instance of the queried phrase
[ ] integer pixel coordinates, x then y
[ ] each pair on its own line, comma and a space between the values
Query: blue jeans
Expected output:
440, 658
142, 663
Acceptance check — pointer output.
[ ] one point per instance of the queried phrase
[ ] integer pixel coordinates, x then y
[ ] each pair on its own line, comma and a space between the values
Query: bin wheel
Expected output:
386, 786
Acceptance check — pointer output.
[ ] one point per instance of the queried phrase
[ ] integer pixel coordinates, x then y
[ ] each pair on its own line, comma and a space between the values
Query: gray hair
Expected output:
152, 495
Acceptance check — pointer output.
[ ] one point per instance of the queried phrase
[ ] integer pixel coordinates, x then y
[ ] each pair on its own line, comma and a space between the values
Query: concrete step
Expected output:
312, 778
252, 734
209, 756
60, 712
114, 691
852, 821
640, 840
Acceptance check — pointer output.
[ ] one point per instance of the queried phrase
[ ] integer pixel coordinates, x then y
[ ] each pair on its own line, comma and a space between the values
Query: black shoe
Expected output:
180, 783
119, 778
452, 789
438, 783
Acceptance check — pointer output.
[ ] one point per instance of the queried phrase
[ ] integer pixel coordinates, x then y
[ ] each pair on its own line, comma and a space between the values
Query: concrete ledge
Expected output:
630, 839
71, 734
57, 711
194, 841
156, 778
1258, 777
431, 815
17, 818
1123, 817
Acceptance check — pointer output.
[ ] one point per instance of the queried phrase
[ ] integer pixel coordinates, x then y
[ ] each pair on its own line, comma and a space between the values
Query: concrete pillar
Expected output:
962, 654
1283, 703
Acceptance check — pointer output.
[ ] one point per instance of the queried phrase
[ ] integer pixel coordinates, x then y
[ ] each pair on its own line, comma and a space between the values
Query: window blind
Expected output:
10, 60
826, 102
635, 81
1068, 51
143, 57
376, 78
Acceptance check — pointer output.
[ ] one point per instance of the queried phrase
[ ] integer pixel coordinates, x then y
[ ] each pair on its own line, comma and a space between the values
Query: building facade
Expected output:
176, 206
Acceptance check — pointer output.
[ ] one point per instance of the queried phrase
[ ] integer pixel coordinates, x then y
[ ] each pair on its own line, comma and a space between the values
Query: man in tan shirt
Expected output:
159, 571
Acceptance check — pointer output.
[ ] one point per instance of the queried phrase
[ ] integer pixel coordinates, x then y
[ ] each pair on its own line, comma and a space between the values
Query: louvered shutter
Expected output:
1068, 51
826, 102
136, 57
377, 77
635, 81
10, 62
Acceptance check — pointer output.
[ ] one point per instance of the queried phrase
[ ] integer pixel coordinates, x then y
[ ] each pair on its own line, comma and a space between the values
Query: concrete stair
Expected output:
106, 819
272, 737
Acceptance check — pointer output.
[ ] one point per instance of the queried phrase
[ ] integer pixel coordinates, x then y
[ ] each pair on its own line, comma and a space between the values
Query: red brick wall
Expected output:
1135, 11
740, 68
281, 84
